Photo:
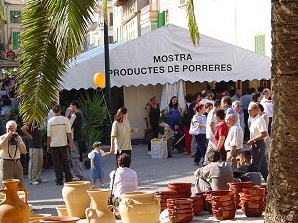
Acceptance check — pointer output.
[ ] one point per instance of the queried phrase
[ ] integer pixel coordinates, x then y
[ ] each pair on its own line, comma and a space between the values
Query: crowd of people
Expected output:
215, 128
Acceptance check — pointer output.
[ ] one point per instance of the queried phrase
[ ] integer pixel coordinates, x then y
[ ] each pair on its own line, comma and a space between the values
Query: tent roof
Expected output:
167, 55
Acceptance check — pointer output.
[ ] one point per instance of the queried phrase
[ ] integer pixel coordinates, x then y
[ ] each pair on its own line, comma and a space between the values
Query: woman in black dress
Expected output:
152, 118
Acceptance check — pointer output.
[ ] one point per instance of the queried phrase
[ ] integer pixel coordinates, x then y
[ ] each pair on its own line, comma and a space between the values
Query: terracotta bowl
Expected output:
241, 184
184, 195
180, 201
197, 200
252, 212
179, 185
224, 215
222, 196
225, 208
254, 191
181, 190
249, 204
166, 192
181, 217
179, 211
180, 206
55, 219
252, 197
223, 203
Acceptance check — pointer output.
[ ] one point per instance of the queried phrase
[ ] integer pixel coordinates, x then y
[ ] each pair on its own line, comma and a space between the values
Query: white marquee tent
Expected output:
167, 55
159, 62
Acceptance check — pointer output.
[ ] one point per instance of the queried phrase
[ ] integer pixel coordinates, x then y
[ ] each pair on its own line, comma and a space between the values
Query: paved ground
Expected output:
153, 174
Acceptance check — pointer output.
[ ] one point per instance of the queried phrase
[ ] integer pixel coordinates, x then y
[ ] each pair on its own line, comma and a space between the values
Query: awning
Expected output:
167, 55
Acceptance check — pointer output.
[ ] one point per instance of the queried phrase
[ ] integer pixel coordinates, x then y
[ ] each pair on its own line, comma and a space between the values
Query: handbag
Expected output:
194, 129
148, 135
112, 200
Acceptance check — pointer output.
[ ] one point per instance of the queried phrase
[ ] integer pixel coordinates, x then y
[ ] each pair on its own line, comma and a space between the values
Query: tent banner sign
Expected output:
160, 68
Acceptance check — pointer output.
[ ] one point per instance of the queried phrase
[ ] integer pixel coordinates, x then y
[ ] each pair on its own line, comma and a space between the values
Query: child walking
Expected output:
96, 170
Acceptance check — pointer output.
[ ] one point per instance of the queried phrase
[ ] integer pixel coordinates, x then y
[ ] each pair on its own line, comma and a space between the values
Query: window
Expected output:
111, 19
15, 16
15, 40
260, 44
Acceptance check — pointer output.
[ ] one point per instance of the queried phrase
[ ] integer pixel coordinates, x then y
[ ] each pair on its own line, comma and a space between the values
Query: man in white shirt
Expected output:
234, 140
58, 132
268, 106
258, 134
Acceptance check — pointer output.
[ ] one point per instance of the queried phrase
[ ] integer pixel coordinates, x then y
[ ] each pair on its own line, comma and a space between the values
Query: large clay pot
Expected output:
139, 207
76, 198
13, 209
99, 211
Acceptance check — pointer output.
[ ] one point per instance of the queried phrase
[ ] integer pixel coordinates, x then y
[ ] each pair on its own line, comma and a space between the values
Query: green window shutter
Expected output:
260, 44
161, 19
15, 40
20, 16
11, 17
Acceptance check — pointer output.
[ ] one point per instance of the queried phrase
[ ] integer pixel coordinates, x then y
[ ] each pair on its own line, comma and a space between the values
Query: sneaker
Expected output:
77, 178
34, 182
94, 187
185, 153
149, 152
43, 180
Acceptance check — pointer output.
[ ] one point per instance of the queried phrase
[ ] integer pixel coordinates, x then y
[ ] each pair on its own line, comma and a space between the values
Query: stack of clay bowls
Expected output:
180, 209
253, 201
237, 187
183, 189
223, 204
198, 203
164, 196
208, 201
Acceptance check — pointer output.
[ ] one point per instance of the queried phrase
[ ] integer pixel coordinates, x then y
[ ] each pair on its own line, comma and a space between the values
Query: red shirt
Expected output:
222, 130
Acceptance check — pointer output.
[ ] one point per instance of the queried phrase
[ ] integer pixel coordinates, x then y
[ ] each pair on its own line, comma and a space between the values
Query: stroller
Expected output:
178, 142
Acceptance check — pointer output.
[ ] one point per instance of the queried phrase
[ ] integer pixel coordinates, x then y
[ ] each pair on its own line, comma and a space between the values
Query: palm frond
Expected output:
192, 23
71, 20
52, 33
40, 71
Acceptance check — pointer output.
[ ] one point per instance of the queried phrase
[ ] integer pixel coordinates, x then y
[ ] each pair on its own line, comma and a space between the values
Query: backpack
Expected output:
186, 119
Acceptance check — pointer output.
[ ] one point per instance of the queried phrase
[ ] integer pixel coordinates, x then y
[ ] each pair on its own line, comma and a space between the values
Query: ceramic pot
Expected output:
222, 195
99, 211
235, 185
133, 211
186, 201
253, 212
140, 196
254, 191
13, 209
55, 219
76, 197
62, 210
35, 218
223, 214
249, 204
181, 217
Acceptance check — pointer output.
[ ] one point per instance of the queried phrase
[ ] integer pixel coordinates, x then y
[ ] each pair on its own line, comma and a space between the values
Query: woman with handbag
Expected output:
152, 119
199, 120
123, 179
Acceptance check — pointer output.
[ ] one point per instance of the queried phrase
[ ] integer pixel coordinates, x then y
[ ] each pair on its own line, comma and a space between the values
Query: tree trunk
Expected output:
282, 199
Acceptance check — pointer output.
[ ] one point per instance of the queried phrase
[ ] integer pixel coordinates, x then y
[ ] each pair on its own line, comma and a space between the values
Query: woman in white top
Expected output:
126, 179
121, 133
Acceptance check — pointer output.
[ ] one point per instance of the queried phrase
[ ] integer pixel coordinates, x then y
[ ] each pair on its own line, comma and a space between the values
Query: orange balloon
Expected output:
100, 80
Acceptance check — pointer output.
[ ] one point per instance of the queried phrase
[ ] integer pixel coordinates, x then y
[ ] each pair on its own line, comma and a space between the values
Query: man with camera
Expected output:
11, 145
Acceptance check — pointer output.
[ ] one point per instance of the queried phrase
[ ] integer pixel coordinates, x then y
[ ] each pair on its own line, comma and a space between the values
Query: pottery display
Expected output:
62, 210
223, 204
76, 197
183, 189
198, 204
253, 201
133, 206
164, 196
180, 209
56, 219
238, 187
35, 218
13, 209
99, 210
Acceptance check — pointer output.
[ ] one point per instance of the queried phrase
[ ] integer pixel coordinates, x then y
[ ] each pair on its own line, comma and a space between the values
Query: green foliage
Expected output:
95, 117
192, 23
52, 34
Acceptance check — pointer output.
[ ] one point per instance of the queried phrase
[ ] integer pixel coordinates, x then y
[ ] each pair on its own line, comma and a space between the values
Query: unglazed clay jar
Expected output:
76, 197
99, 211
139, 207
13, 209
